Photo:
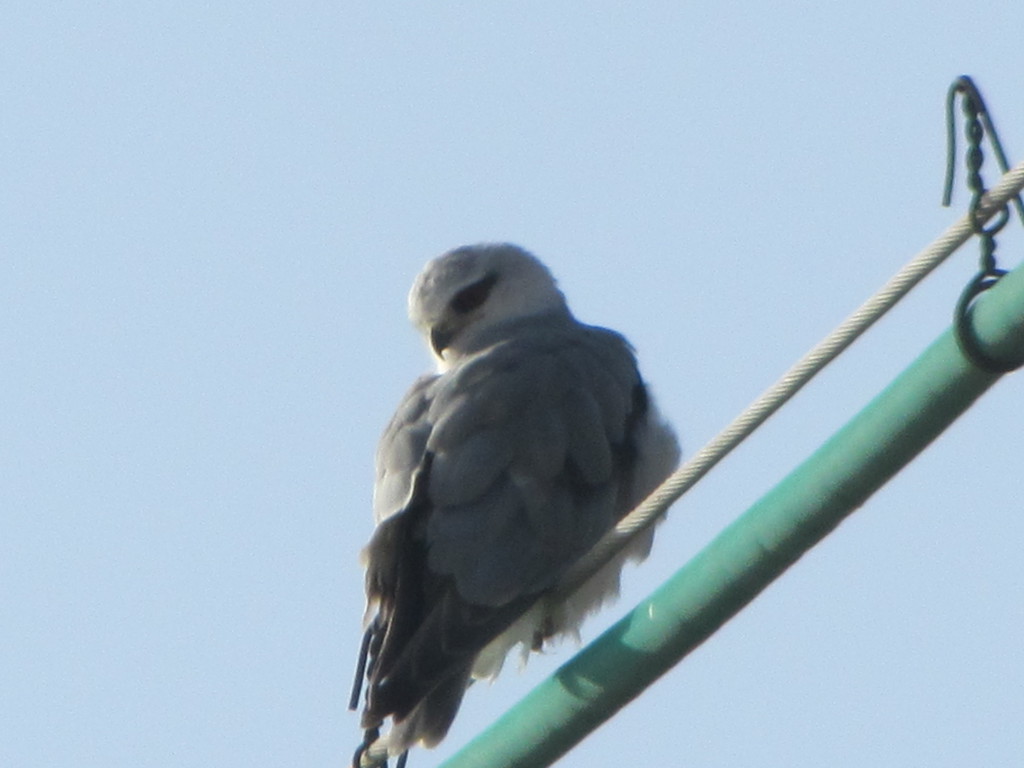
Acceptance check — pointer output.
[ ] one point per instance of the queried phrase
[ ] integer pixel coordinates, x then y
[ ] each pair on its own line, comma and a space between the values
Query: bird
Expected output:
534, 436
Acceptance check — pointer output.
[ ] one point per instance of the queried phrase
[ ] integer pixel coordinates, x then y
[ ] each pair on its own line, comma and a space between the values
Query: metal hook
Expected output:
973, 101
977, 123
370, 735
357, 683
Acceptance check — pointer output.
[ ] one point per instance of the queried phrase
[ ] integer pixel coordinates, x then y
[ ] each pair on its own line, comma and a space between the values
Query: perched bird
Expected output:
495, 475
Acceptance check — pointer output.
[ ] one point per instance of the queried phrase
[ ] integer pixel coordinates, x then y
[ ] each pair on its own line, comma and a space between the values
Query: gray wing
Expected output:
492, 480
401, 449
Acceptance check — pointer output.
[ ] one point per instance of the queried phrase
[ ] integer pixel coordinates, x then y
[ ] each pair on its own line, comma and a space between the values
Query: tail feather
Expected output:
430, 720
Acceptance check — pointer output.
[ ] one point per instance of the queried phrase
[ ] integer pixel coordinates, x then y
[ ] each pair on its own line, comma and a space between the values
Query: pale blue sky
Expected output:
210, 215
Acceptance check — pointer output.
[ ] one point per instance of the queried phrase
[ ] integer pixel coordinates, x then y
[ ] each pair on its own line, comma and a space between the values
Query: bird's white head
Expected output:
466, 294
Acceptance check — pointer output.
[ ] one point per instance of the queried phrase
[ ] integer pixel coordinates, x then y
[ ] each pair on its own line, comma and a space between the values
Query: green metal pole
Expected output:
748, 555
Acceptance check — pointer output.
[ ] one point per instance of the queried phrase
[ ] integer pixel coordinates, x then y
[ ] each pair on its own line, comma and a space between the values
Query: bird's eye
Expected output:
472, 296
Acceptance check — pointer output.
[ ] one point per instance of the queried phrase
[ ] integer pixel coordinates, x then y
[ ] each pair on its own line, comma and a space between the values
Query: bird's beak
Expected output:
440, 338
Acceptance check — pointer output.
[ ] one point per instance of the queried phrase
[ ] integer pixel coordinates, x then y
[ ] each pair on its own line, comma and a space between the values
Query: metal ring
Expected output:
965, 336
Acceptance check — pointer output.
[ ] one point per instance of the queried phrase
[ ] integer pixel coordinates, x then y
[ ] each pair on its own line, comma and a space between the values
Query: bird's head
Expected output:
467, 294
